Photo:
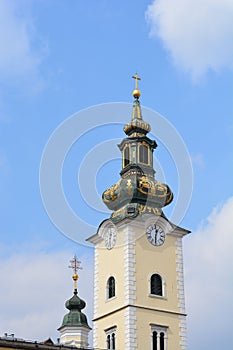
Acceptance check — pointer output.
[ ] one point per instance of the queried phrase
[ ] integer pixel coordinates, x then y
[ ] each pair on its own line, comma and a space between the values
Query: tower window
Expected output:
154, 338
113, 341
161, 341
143, 154
159, 337
156, 287
111, 287
111, 338
126, 157
108, 341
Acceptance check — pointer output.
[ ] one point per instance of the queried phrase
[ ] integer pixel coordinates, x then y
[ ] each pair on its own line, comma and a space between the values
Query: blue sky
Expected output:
57, 59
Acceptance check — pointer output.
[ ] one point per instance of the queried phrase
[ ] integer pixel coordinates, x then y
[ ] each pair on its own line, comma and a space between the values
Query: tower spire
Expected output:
137, 191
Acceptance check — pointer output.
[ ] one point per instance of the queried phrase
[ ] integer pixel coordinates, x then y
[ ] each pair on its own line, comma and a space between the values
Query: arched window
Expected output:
113, 341
126, 156
156, 285
111, 287
161, 341
108, 342
159, 337
143, 154
111, 338
154, 340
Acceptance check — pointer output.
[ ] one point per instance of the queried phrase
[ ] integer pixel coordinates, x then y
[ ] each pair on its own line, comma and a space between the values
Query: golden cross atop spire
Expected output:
136, 77
75, 265
136, 92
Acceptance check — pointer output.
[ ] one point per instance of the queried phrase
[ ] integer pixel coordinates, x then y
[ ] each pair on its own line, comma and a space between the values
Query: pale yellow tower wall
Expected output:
140, 330
131, 262
113, 320
161, 260
146, 318
110, 263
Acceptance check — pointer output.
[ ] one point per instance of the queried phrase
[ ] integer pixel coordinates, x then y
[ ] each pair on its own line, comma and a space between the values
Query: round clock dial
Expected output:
110, 237
155, 235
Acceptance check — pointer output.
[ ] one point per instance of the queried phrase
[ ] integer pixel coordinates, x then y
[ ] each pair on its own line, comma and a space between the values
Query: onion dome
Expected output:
75, 317
75, 303
137, 191
137, 188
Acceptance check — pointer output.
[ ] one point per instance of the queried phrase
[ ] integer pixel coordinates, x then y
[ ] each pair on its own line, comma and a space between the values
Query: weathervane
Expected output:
136, 92
75, 265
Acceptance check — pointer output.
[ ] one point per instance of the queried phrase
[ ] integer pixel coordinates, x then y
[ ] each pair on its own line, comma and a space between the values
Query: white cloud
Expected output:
34, 287
198, 34
209, 283
20, 56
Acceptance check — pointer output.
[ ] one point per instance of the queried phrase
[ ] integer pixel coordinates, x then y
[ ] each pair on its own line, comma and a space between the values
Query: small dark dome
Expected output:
75, 317
75, 303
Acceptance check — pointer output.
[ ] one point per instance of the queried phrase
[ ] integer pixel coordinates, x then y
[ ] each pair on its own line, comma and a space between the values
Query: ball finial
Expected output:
75, 276
136, 93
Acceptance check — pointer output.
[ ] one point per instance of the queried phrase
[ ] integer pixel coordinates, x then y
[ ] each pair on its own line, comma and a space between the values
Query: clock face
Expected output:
155, 235
110, 237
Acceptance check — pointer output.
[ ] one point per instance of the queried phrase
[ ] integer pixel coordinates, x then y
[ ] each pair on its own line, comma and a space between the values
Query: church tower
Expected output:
74, 329
138, 283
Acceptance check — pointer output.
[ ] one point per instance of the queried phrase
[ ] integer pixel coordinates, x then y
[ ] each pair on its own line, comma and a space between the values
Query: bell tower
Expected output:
138, 283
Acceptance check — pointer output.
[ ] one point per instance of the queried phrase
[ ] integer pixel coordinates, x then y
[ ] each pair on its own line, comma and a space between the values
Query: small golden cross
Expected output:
136, 77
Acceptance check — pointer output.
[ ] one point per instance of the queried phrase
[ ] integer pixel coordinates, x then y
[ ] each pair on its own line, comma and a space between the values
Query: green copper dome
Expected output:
75, 317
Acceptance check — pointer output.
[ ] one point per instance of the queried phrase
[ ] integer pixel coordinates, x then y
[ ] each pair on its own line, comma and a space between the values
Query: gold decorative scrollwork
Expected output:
170, 198
152, 188
112, 193
144, 185
145, 209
